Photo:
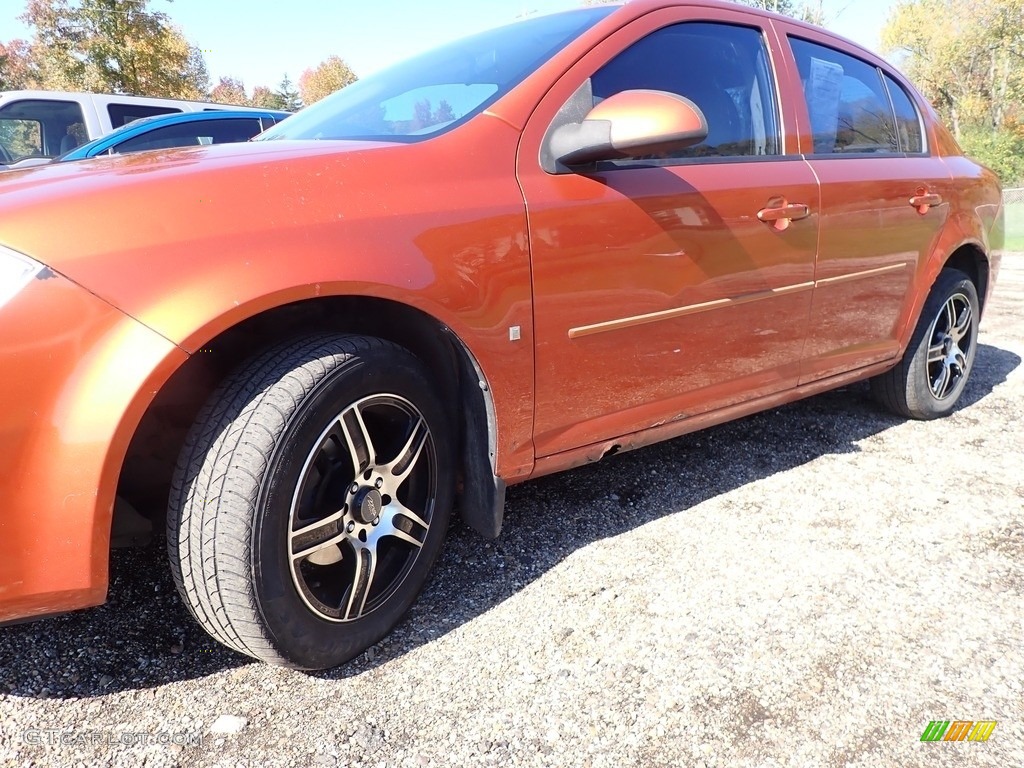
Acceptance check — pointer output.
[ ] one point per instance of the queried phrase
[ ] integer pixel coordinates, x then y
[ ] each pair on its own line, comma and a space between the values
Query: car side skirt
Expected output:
685, 424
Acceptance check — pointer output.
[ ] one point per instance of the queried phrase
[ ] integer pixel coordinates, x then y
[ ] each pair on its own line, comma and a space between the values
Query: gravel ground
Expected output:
806, 587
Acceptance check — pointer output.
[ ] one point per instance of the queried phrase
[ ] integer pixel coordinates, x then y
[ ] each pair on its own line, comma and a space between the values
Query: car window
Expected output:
192, 134
908, 119
122, 114
432, 107
722, 68
418, 98
20, 139
40, 128
846, 100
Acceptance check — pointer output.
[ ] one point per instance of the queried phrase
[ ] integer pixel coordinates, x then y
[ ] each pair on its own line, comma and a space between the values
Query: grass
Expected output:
1014, 227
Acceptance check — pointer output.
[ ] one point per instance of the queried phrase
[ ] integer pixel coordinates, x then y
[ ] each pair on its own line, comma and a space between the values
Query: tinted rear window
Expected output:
908, 119
846, 100
192, 134
122, 114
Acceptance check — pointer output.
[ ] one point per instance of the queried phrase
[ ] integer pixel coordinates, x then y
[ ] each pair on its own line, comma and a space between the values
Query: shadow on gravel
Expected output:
143, 637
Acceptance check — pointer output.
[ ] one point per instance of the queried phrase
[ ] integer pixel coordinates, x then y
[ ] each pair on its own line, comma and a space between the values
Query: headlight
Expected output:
16, 271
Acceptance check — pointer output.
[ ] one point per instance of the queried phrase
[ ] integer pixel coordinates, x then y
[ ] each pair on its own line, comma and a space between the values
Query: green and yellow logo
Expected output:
958, 730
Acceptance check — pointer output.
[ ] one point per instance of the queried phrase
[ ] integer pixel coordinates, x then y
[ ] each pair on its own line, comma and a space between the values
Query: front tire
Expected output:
311, 500
933, 373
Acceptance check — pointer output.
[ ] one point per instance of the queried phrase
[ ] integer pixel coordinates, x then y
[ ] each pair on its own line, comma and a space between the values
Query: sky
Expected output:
259, 41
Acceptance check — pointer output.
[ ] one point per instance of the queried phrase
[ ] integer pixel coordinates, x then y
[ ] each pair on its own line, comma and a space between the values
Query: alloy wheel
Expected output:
949, 346
362, 507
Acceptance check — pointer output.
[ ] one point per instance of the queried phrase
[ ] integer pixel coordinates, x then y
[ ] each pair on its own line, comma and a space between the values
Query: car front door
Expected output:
882, 200
659, 292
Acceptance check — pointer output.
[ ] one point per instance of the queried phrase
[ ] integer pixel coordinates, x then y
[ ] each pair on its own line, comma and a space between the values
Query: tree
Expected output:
229, 91
966, 55
330, 75
288, 97
264, 97
16, 69
811, 11
778, 6
1002, 150
424, 116
445, 113
117, 46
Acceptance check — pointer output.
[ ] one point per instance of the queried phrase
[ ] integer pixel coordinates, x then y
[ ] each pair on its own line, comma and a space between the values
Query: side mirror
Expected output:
630, 124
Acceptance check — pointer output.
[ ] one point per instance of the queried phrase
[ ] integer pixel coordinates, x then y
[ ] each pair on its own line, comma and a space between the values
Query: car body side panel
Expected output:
77, 376
978, 213
864, 283
444, 234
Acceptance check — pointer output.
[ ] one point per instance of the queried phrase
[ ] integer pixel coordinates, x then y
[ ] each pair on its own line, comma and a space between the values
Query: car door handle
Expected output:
925, 201
781, 216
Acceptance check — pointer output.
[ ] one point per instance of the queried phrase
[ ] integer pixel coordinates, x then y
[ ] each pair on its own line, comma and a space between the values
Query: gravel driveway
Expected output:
807, 587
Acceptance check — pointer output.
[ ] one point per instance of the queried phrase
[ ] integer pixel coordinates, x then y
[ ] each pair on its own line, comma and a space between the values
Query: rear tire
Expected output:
311, 500
933, 373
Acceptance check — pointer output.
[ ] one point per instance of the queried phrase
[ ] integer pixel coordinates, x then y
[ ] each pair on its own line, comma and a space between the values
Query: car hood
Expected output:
22, 188
94, 219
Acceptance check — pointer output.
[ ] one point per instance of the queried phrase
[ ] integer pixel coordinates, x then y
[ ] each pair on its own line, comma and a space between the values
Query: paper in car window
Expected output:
824, 87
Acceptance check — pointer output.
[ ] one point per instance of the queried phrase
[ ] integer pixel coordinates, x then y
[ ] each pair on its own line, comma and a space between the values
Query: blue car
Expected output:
182, 129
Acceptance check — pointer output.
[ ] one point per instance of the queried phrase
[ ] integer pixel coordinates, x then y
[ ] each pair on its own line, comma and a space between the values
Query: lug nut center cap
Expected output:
368, 505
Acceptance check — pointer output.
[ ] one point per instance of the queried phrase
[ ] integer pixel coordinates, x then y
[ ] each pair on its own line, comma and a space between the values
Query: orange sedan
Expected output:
524, 251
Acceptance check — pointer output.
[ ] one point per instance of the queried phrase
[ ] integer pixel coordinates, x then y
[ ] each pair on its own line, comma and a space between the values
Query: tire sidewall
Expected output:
950, 283
301, 636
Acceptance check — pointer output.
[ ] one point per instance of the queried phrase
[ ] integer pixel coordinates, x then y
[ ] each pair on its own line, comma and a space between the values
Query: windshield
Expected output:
426, 94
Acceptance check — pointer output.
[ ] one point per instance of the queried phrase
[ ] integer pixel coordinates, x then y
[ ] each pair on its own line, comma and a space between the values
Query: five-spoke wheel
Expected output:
950, 343
361, 510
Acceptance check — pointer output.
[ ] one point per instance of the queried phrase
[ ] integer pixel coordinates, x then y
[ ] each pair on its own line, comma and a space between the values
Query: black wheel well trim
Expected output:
482, 501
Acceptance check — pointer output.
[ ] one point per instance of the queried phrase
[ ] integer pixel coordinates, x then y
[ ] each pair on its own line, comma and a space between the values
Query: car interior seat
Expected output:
67, 143
726, 135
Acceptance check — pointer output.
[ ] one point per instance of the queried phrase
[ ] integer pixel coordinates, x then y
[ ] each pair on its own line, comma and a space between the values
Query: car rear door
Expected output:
659, 293
884, 201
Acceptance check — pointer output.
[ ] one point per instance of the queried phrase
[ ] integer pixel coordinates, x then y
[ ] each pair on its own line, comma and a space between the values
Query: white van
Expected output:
38, 125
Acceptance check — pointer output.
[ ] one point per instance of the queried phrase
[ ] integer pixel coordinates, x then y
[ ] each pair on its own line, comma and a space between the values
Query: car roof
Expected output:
117, 97
641, 7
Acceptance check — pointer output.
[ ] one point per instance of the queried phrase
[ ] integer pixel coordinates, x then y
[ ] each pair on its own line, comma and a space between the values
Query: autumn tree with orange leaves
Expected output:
328, 76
